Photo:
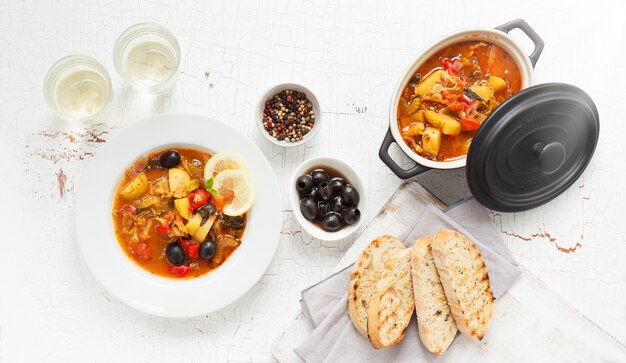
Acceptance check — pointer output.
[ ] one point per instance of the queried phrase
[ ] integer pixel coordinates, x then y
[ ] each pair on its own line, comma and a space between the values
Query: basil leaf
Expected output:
209, 184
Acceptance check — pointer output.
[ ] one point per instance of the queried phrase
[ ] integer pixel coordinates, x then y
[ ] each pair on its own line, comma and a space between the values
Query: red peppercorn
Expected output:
288, 116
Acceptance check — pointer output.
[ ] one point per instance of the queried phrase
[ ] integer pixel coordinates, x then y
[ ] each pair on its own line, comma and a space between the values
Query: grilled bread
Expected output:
392, 303
465, 281
435, 324
368, 269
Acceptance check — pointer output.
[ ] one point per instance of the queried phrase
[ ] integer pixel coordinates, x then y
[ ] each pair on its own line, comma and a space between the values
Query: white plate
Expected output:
139, 288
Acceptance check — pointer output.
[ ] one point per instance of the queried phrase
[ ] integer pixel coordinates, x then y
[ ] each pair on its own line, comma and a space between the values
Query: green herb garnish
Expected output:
209, 186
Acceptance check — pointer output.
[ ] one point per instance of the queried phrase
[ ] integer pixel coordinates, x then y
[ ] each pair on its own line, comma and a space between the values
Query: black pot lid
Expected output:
532, 147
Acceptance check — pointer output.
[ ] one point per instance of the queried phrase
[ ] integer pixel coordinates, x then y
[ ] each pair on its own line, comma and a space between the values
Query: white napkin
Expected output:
335, 339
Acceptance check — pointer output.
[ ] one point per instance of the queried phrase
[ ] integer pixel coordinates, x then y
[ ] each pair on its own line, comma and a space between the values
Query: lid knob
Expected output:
549, 157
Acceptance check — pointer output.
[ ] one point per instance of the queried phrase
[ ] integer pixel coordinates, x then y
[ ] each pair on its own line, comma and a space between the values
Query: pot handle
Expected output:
383, 154
530, 33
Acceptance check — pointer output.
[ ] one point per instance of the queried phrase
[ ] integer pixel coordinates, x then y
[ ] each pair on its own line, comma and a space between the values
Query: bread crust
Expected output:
367, 270
466, 282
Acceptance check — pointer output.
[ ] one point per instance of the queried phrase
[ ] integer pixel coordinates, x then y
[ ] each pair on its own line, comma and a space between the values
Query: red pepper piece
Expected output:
163, 229
191, 248
466, 99
197, 198
468, 124
447, 65
179, 271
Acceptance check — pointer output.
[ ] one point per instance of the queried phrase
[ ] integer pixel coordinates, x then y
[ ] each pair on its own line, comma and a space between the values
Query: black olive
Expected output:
337, 204
319, 176
331, 222
351, 215
324, 192
311, 193
207, 250
308, 207
208, 209
304, 183
175, 253
337, 184
170, 159
350, 195
322, 209
212, 208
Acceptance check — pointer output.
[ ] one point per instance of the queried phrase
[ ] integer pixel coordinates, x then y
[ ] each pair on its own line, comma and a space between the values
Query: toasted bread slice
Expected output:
392, 304
466, 282
367, 270
435, 323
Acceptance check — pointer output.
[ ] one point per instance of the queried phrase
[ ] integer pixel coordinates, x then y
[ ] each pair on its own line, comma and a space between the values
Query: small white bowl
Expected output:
350, 176
277, 89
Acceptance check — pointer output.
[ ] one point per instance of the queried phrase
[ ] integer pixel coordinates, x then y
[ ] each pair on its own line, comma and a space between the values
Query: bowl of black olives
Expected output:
327, 199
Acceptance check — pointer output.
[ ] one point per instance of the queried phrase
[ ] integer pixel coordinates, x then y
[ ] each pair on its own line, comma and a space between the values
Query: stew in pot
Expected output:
451, 95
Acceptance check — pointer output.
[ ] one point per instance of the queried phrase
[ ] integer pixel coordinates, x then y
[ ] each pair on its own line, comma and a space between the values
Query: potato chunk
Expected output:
194, 223
182, 207
178, 179
201, 233
431, 141
427, 84
413, 130
416, 117
445, 123
497, 83
485, 92
135, 188
192, 185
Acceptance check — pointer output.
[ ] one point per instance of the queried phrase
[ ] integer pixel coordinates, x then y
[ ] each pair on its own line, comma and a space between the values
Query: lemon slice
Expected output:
223, 161
236, 186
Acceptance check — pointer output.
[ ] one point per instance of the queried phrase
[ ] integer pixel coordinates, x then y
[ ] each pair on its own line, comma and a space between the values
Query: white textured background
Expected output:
351, 53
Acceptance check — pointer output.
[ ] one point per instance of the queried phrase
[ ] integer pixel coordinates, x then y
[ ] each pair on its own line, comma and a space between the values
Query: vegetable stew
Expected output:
170, 220
451, 95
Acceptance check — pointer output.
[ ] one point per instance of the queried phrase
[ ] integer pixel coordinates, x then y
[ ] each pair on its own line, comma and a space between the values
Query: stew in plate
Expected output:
173, 219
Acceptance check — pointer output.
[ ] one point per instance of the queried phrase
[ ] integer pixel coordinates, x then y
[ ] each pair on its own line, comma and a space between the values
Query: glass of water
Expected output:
77, 87
147, 56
